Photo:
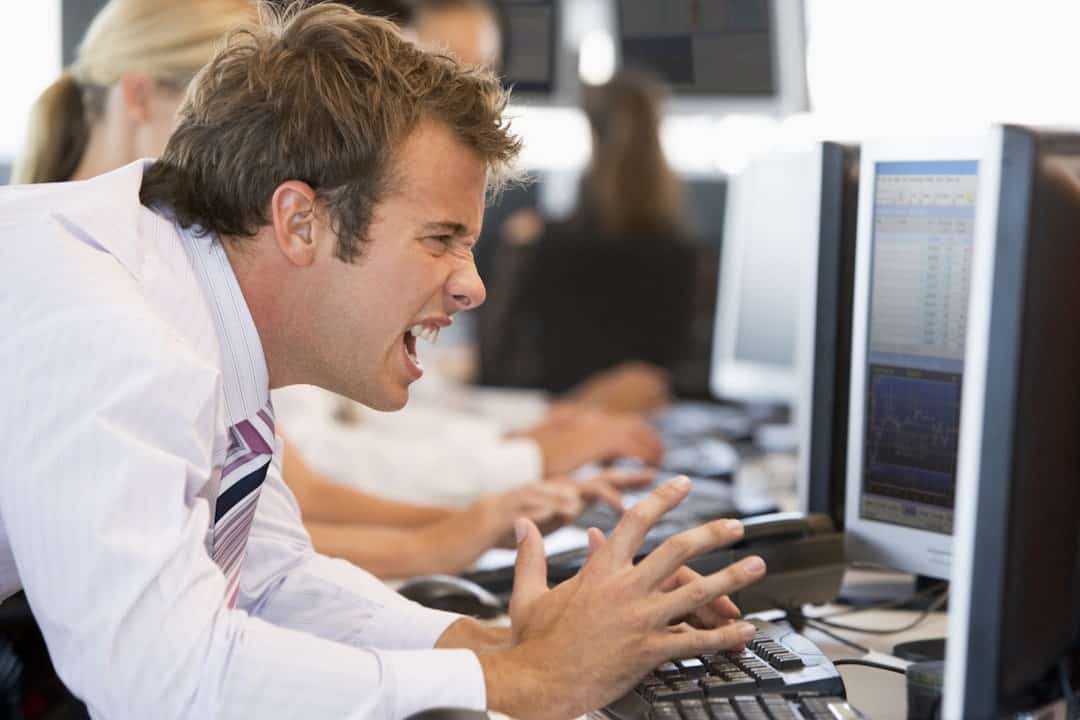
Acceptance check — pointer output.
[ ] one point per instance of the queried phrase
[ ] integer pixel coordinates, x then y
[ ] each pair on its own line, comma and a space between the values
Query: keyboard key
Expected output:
749, 709
733, 685
778, 708
788, 662
691, 667
725, 667
693, 709
667, 670
669, 694
722, 709
664, 711
770, 680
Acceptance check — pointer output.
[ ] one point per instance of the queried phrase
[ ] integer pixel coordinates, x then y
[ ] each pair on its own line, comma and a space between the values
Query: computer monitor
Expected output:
767, 271
530, 46
823, 424
731, 55
1014, 605
917, 207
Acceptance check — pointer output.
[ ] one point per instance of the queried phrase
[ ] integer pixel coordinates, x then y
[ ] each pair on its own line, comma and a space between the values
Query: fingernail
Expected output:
680, 483
747, 631
520, 528
733, 526
754, 565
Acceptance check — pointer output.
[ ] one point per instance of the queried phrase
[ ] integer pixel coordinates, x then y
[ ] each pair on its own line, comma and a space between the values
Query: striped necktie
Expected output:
251, 448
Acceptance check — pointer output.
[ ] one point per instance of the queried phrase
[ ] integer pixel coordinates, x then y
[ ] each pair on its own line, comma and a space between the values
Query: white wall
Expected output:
877, 67
29, 62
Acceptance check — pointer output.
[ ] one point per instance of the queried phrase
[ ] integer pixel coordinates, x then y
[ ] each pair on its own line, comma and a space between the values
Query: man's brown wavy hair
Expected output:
320, 94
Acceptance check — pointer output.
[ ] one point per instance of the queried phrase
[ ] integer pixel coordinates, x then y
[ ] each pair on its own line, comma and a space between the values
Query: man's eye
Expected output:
438, 243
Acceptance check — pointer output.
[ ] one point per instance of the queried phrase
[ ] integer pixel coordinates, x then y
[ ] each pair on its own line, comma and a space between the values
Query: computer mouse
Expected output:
455, 594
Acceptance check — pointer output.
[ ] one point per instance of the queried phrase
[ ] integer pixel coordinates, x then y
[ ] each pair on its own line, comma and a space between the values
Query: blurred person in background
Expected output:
118, 101
612, 285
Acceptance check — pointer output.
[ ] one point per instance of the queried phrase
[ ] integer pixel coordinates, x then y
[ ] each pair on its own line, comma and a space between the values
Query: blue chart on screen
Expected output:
913, 430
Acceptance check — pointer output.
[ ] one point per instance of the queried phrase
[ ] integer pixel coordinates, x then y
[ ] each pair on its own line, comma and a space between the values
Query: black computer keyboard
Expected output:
780, 674
792, 706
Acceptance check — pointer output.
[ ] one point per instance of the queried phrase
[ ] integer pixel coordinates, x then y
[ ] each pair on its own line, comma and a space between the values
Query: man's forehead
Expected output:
441, 177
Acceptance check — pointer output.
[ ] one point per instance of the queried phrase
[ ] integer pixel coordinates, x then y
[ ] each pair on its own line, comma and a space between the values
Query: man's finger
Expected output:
720, 610
628, 535
596, 540
701, 592
674, 552
694, 641
530, 569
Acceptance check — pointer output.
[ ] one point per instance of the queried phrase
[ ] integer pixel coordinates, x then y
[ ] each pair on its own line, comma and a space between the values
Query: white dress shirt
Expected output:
128, 352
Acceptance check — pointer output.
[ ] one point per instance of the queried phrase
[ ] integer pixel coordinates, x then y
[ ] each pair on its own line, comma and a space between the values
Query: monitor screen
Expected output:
688, 43
766, 276
923, 228
752, 51
530, 45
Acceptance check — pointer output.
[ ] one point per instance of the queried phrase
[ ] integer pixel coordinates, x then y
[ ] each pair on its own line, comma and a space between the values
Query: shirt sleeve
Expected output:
107, 455
419, 455
286, 582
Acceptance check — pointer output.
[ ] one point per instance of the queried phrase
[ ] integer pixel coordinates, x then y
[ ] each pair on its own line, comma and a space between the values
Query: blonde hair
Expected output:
166, 40
327, 96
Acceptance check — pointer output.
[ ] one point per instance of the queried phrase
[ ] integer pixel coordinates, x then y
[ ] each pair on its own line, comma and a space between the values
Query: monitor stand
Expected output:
920, 650
911, 593
877, 587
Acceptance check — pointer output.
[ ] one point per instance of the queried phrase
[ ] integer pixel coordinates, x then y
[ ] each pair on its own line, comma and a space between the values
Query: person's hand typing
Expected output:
587, 641
607, 486
570, 441
548, 505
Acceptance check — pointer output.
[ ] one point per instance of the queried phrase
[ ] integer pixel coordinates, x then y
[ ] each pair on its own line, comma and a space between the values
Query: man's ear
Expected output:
135, 95
293, 212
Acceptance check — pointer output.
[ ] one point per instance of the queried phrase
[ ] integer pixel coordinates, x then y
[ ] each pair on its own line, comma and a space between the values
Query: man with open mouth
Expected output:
317, 202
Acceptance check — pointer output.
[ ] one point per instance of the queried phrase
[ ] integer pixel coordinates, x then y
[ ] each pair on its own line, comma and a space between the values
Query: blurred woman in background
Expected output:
614, 283
118, 101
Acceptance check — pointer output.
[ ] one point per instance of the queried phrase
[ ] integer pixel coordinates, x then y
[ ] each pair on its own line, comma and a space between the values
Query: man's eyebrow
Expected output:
447, 227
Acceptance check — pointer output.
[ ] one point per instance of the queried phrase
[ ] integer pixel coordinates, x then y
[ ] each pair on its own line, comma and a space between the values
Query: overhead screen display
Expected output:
702, 47
923, 229
529, 65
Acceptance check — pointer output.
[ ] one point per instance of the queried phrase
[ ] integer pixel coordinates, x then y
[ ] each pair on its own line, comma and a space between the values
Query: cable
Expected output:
824, 630
938, 602
869, 663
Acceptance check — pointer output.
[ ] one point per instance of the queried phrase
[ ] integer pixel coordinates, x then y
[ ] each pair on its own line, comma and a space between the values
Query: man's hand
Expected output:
587, 641
571, 440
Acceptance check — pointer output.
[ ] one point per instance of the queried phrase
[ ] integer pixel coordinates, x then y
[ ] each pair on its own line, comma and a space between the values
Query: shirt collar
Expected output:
244, 373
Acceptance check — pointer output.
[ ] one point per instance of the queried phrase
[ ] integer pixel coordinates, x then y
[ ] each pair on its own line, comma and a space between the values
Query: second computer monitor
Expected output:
917, 208
764, 308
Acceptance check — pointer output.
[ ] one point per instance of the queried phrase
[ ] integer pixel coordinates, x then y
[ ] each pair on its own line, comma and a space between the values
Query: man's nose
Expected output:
465, 288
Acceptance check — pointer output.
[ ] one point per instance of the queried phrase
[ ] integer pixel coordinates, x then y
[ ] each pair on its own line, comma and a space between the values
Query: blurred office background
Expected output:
872, 67
753, 76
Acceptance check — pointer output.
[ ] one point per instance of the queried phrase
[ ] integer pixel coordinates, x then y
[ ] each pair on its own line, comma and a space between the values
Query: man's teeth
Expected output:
431, 334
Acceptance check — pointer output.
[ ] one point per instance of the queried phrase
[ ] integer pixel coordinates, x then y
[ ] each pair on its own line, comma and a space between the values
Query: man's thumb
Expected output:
530, 569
